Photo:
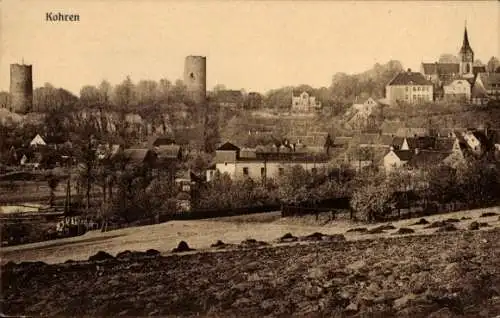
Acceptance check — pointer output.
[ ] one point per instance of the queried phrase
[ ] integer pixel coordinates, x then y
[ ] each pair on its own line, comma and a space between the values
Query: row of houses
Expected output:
463, 81
382, 151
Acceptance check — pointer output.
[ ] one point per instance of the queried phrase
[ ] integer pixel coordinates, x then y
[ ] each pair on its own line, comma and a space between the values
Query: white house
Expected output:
457, 90
409, 87
395, 159
229, 159
304, 103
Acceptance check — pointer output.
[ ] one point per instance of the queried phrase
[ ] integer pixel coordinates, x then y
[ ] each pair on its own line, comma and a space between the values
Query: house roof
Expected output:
341, 141
422, 142
409, 78
38, 140
488, 79
444, 144
479, 69
228, 147
412, 131
163, 141
248, 153
391, 127
168, 151
404, 155
451, 81
440, 68
136, 155
427, 158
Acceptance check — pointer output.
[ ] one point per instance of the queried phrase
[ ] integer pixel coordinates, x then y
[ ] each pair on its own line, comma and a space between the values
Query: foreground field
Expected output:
200, 234
454, 274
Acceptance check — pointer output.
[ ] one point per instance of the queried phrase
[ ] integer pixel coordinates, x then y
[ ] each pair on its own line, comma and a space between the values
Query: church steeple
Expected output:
466, 55
465, 45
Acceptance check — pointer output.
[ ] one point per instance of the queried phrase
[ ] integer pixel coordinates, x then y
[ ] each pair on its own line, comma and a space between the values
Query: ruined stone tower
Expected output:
21, 88
195, 78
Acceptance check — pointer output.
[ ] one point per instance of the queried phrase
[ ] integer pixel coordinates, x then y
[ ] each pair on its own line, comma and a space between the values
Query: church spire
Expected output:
466, 45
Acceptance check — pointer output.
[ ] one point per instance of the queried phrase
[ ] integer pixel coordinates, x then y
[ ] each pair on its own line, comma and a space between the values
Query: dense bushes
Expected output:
473, 185
224, 193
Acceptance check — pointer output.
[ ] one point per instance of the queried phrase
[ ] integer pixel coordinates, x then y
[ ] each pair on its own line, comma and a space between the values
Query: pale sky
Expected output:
256, 46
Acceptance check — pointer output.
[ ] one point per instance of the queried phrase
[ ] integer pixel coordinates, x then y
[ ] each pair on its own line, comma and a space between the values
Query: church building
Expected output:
442, 74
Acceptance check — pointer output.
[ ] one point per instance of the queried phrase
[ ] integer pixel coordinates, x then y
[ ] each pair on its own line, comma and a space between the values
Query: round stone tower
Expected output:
195, 78
21, 88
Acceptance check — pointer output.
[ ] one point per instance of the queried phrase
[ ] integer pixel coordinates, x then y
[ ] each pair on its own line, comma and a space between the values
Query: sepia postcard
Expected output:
249, 158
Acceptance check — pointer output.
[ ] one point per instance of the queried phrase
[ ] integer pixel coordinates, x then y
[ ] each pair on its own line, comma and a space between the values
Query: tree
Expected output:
105, 92
329, 143
52, 182
124, 94
372, 201
146, 91
90, 96
4, 100
85, 153
492, 65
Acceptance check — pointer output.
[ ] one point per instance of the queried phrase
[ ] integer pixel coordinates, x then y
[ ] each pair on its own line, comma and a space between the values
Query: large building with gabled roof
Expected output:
409, 87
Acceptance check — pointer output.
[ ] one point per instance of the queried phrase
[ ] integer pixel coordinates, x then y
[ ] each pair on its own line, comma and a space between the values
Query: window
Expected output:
281, 171
262, 172
225, 163
406, 88
314, 170
414, 89
245, 171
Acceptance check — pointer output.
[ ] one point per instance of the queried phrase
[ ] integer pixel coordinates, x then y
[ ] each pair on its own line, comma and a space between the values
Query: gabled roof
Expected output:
440, 68
409, 78
38, 140
423, 142
427, 158
228, 147
404, 155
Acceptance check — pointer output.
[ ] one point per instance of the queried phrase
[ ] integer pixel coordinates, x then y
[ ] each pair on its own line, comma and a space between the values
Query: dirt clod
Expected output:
100, 256
421, 222
405, 230
488, 214
447, 228
357, 229
473, 226
287, 238
182, 247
